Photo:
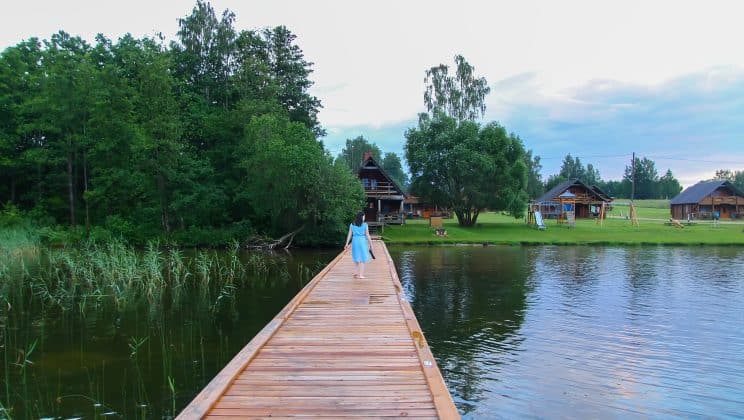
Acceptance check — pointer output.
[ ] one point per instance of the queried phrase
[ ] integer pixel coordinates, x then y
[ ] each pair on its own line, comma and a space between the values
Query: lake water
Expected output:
560, 332
583, 332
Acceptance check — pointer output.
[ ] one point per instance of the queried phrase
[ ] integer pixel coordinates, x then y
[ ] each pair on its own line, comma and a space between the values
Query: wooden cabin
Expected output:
384, 197
584, 200
704, 199
416, 207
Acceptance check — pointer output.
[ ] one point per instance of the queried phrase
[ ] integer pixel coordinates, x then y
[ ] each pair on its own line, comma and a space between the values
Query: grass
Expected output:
115, 272
655, 204
493, 228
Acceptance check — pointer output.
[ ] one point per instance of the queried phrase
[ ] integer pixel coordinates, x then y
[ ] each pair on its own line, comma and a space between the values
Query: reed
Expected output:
81, 287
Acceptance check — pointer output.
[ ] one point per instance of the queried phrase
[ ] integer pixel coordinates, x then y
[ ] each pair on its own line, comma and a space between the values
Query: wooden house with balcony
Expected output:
416, 207
384, 197
706, 199
573, 195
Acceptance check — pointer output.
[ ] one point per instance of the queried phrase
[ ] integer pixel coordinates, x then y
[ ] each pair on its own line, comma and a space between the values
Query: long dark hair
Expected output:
359, 219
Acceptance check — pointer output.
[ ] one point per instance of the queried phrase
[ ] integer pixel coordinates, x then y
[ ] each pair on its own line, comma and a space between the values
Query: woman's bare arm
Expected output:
346, 244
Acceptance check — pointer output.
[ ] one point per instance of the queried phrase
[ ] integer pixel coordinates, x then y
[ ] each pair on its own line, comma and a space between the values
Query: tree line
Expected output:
211, 137
648, 183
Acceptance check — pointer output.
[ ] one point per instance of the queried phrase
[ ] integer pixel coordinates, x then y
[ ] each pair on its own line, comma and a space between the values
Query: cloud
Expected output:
691, 124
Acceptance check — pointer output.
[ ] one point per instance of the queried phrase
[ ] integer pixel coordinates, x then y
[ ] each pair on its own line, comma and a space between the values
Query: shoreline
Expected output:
530, 243
498, 229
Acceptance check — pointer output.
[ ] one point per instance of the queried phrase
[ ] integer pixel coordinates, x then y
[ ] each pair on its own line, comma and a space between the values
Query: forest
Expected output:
207, 139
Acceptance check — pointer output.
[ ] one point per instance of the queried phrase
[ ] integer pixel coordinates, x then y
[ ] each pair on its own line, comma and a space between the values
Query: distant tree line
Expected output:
648, 183
212, 137
735, 177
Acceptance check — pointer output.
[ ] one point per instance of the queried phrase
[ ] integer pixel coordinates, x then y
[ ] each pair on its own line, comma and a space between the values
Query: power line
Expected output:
624, 156
586, 156
698, 160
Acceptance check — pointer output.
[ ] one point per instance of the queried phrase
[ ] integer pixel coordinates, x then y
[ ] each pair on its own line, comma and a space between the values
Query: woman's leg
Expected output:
361, 270
356, 272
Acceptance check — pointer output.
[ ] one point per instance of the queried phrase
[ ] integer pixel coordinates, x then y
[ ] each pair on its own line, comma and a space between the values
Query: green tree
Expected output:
293, 183
154, 141
646, 179
739, 180
535, 186
735, 177
205, 54
669, 187
572, 168
615, 189
725, 174
353, 152
466, 167
392, 166
291, 75
591, 175
20, 71
63, 110
461, 96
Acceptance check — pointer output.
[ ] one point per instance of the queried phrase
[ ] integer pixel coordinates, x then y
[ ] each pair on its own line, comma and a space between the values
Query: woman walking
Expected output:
359, 235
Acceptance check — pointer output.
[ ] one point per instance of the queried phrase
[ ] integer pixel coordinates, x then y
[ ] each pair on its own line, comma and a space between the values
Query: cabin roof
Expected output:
565, 185
696, 193
376, 166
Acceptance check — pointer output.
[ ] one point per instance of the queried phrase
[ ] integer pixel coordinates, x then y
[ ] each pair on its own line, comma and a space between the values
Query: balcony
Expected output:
380, 188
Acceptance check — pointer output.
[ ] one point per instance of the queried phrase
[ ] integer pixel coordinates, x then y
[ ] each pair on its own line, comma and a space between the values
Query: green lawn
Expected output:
495, 228
657, 204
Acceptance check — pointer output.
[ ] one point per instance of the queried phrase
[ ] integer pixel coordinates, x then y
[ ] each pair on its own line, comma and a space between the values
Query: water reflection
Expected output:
470, 301
143, 361
583, 331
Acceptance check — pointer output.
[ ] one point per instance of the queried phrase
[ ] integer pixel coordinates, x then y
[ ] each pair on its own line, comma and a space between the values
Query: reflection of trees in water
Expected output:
469, 301
577, 271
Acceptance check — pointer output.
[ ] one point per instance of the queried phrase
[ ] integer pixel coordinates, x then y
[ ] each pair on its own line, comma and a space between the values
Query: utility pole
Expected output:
633, 215
632, 178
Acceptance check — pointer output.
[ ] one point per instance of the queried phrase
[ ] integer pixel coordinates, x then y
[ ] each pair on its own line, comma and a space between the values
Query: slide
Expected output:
539, 220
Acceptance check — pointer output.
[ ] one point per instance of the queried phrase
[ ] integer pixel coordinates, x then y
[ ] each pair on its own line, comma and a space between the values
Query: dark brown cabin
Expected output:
587, 200
704, 199
384, 197
416, 207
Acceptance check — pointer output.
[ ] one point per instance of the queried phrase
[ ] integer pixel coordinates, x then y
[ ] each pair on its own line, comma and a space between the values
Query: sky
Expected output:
597, 79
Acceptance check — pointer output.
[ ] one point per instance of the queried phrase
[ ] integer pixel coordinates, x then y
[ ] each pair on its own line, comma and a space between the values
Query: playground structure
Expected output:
539, 223
633, 215
571, 200
567, 202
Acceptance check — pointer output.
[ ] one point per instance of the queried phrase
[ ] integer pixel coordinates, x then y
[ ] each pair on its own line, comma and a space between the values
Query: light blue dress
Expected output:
359, 247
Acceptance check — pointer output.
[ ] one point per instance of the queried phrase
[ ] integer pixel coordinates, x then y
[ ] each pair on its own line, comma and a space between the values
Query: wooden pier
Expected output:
343, 347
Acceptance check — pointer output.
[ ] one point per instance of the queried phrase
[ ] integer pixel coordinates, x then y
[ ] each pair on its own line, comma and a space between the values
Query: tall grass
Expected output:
92, 279
95, 273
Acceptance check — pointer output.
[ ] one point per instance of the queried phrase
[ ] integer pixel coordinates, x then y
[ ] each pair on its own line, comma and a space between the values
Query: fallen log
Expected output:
262, 242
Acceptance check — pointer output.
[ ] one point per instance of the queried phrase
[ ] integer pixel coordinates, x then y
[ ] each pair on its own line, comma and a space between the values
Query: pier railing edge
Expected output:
442, 399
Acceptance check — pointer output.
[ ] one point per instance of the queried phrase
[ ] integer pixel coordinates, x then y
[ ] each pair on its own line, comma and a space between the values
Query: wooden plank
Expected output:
343, 347
201, 404
442, 399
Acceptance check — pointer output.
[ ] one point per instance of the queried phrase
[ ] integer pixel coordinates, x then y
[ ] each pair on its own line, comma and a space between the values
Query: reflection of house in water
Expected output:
384, 203
586, 201
704, 199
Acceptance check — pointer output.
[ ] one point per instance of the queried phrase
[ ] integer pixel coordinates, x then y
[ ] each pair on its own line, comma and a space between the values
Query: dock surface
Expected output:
343, 347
